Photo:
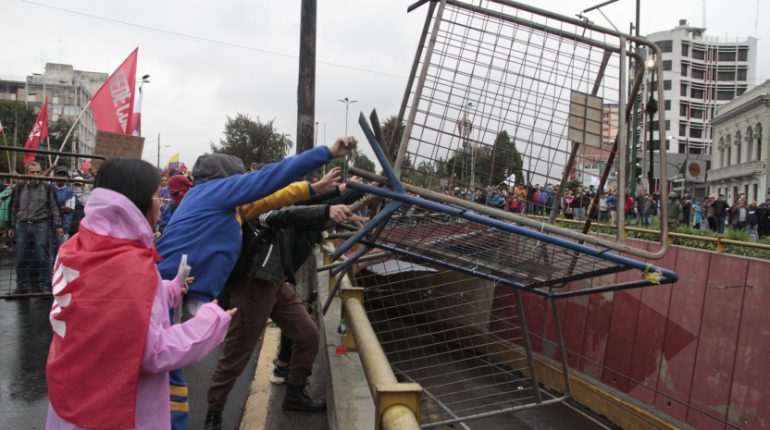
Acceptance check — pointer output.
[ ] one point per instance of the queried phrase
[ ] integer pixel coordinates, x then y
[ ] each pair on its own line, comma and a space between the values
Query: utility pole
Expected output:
307, 281
306, 82
652, 108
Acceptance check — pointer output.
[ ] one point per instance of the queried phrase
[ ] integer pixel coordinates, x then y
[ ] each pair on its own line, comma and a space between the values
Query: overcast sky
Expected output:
209, 60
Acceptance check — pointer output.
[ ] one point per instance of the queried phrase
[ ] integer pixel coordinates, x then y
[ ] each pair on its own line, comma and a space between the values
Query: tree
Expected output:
504, 160
253, 140
17, 119
392, 133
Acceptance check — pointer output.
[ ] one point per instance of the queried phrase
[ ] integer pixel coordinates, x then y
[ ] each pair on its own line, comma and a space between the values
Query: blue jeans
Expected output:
32, 254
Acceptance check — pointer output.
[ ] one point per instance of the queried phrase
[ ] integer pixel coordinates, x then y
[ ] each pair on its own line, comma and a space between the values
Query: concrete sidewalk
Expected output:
263, 405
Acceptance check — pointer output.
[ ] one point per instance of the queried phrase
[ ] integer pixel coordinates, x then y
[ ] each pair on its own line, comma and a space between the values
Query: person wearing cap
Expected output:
63, 193
674, 210
77, 204
206, 227
33, 211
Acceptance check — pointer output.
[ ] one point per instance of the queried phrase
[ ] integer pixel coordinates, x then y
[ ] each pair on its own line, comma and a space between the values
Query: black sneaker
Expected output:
213, 420
280, 375
296, 399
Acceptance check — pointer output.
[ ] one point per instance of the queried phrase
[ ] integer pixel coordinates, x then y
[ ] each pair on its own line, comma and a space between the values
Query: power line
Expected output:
202, 39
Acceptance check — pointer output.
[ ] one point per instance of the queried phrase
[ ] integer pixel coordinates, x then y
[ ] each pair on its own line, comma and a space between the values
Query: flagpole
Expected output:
7, 153
48, 144
64, 142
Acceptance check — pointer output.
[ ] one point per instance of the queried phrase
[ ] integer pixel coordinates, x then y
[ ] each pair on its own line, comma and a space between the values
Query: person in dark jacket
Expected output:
720, 213
259, 284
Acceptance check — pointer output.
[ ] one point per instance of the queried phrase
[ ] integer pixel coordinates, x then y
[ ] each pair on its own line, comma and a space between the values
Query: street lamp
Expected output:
347, 102
164, 146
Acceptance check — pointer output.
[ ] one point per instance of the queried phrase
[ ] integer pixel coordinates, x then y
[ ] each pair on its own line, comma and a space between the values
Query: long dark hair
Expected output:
136, 179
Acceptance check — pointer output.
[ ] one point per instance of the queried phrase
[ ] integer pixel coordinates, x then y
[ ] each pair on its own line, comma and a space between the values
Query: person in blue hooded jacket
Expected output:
207, 224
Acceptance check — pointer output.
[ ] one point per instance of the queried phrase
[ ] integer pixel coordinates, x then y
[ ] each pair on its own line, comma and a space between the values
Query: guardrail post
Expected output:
720, 246
393, 405
348, 293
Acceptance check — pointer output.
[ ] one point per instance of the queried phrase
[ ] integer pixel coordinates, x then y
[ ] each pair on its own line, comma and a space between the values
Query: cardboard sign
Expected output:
115, 145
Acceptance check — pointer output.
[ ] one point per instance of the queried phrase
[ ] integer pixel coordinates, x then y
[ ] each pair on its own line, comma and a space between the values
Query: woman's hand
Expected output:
230, 311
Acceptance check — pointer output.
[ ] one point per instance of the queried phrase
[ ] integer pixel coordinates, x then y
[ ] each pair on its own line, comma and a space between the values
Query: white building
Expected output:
68, 91
699, 74
740, 160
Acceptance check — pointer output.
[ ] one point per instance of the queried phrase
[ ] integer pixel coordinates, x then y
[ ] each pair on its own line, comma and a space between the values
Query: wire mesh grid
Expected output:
494, 101
27, 209
481, 249
441, 329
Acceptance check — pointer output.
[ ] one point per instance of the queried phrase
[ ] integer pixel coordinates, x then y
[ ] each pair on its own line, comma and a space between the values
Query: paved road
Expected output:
25, 336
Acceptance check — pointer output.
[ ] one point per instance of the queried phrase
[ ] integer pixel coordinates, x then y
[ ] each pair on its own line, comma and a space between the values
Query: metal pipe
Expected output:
373, 359
622, 143
562, 349
418, 93
399, 417
511, 228
511, 217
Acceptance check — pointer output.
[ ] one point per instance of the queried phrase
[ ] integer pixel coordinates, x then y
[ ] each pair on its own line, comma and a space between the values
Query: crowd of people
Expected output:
643, 209
134, 302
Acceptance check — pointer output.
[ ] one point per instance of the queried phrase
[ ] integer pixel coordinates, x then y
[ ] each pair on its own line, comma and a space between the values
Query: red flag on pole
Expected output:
39, 131
113, 103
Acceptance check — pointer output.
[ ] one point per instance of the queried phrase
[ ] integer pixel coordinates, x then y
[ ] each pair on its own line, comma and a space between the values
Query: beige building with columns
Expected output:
741, 147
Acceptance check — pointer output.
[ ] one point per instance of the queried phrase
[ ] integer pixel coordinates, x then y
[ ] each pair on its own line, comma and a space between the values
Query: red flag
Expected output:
100, 326
39, 131
113, 103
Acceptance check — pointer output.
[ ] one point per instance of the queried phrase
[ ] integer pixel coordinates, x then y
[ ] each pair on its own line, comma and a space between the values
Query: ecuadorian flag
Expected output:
173, 162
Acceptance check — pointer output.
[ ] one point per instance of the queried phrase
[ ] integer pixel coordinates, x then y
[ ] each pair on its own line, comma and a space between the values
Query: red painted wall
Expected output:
698, 350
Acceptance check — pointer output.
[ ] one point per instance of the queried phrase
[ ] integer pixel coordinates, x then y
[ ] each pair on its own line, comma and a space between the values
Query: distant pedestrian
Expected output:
720, 213
33, 211
698, 217
674, 215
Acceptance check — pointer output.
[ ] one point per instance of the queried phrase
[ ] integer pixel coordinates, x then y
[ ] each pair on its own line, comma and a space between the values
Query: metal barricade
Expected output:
28, 247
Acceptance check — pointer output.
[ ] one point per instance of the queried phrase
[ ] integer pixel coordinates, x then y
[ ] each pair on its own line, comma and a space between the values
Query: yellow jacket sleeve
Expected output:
293, 193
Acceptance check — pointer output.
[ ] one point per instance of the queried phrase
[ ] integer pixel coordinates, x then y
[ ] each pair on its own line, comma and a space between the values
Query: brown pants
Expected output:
257, 300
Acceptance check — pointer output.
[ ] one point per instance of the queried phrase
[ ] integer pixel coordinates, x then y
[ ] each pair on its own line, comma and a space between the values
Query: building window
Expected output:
727, 56
682, 129
667, 84
683, 110
665, 45
725, 95
696, 113
729, 151
685, 49
696, 133
742, 74
696, 94
683, 90
738, 148
726, 75
698, 54
685, 67
743, 54
667, 105
666, 64
697, 73
758, 133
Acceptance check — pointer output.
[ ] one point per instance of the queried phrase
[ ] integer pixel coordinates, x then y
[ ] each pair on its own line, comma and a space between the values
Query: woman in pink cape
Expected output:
113, 344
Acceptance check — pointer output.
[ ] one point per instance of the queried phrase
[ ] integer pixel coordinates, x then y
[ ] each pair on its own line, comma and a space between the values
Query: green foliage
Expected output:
392, 133
17, 119
253, 141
